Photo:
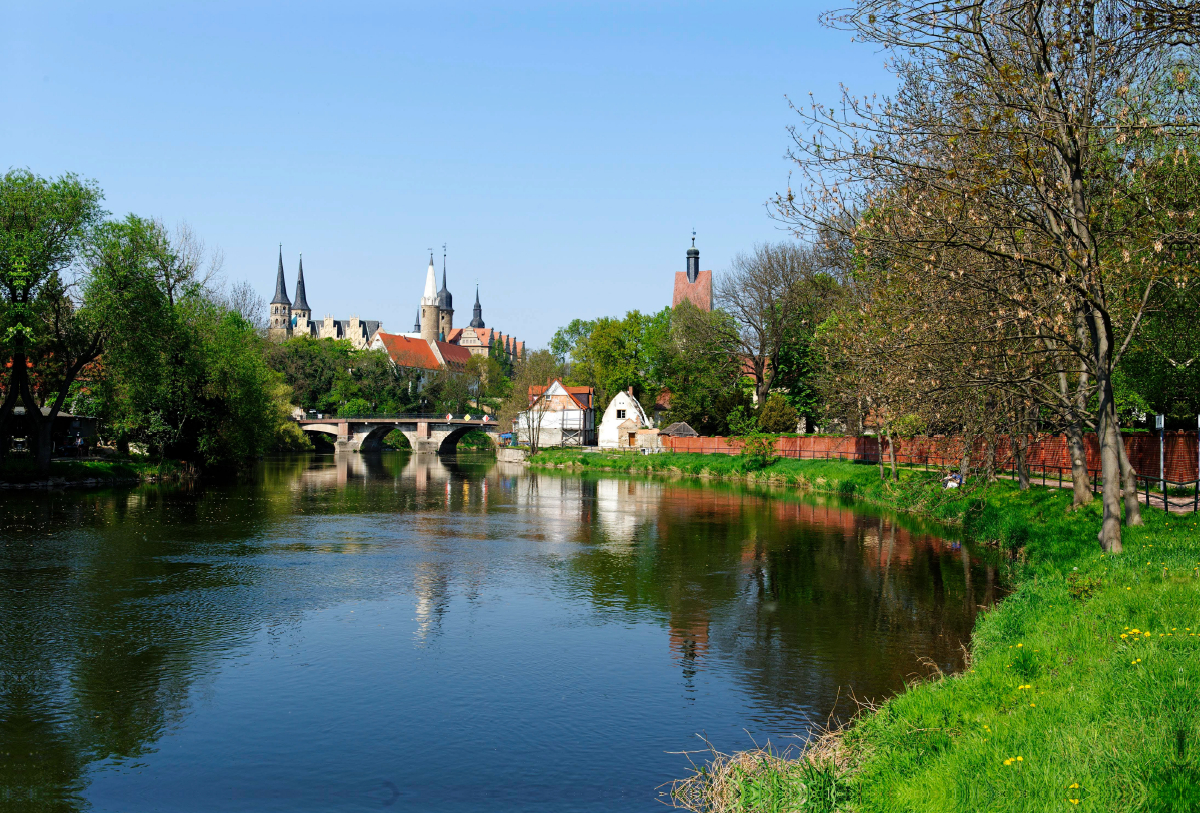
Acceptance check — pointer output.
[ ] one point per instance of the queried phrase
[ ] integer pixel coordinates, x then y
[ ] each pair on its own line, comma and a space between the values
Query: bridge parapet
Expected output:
426, 433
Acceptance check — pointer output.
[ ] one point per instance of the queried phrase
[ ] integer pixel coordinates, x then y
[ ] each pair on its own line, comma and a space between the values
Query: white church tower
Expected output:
429, 305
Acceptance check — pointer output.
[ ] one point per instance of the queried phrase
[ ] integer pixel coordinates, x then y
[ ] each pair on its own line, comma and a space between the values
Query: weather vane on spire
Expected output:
693, 236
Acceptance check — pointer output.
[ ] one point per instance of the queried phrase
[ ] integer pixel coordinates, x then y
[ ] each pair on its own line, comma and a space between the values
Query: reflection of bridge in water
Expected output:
426, 433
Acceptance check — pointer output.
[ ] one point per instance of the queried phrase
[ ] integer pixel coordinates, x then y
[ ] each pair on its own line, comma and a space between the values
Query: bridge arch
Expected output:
328, 431
449, 443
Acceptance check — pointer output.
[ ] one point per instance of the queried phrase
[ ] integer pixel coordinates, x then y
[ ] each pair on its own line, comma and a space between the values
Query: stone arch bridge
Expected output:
426, 433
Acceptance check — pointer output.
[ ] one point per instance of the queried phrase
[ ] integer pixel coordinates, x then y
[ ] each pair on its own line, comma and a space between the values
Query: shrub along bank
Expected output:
1083, 688
25, 473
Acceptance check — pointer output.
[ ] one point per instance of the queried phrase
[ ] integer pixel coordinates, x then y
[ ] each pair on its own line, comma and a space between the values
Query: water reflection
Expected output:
338, 620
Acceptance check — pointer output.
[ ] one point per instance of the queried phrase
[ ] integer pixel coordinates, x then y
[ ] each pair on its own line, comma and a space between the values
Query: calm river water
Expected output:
406, 633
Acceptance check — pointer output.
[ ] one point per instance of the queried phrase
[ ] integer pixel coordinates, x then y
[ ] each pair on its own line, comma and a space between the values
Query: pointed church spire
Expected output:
417, 324
430, 296
444, 300
281, 297
301, 303
477, 316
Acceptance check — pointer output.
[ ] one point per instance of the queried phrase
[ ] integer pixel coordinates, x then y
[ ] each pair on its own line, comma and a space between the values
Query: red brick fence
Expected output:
1046, 455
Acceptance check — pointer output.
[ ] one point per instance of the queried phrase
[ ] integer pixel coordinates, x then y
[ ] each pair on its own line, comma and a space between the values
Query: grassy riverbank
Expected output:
23, 472
1083, 685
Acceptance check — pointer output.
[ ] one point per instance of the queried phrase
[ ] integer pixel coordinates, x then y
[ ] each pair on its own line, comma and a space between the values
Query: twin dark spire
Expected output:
301, 303
281, 297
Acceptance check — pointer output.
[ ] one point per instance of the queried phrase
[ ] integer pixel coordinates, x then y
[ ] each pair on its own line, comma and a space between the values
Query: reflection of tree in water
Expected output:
100, 642
803, 599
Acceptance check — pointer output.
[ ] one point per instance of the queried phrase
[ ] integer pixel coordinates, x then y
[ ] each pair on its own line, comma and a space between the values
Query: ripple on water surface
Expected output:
409, 632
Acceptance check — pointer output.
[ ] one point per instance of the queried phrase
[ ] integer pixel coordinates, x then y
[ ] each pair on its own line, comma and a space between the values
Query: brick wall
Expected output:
1050, 451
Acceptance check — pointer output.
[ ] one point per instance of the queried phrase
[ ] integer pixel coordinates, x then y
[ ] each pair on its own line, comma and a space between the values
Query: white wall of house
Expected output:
556, 418
621, 408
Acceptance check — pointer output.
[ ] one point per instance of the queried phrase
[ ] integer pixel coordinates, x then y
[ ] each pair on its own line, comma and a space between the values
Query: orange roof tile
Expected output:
407, 352
456, 357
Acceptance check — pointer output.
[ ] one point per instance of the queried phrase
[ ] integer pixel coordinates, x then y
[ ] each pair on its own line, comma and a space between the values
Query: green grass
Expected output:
23, 470
1096, 712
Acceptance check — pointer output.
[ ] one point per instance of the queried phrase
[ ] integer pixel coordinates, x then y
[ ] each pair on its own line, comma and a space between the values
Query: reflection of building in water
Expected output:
688, 633
625, 506
432, 588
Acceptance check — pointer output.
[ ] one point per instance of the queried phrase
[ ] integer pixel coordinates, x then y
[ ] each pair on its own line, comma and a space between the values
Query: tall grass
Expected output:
1083, 690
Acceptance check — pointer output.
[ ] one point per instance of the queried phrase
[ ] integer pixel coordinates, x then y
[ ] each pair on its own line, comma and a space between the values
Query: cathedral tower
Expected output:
281, 307
429, 306
445, 305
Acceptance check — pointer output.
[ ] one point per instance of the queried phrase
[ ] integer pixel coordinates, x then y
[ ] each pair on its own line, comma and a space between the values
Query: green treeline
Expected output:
119, 319
125, 321
331, 377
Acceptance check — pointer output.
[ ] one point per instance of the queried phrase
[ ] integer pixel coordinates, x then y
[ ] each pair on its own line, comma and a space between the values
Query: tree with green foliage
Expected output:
43, 226
327, 374
702, 370
777, 416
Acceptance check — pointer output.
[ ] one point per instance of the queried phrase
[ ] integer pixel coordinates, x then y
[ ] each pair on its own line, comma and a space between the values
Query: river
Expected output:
398, 632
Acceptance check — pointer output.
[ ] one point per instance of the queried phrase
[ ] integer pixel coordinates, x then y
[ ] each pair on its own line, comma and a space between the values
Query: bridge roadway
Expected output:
425, 433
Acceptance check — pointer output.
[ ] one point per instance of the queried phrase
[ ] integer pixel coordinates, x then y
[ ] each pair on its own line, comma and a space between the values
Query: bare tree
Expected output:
527, 406
770, 294
1024, 137
241, 298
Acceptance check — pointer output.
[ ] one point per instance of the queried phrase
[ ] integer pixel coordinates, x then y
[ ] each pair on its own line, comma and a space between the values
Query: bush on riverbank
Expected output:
1081, 694
23, 471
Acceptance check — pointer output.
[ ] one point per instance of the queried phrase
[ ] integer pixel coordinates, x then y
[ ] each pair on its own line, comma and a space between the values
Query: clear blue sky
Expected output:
563, 151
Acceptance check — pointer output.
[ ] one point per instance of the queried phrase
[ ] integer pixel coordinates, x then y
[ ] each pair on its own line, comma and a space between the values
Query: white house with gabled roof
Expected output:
622, 419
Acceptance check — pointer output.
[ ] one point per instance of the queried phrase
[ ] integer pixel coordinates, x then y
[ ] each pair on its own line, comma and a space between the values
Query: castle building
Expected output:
435, 322
693, 285
433, 343
290, 319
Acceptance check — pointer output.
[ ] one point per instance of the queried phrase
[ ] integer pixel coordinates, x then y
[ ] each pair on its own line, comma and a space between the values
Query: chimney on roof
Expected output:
693, 260
631, 392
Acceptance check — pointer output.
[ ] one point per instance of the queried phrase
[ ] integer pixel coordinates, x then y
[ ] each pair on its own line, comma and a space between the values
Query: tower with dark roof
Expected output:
477, 314
300, 306
694, 286
280, 327
445, 307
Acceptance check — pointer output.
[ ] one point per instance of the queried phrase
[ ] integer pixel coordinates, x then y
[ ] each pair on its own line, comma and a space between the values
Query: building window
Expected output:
620, 413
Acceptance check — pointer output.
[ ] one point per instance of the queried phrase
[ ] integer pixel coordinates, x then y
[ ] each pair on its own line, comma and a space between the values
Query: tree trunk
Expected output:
892, 457
1019, 457
1109, 438
1129, 485
964, 466
1081, 483
989, 459
6, 410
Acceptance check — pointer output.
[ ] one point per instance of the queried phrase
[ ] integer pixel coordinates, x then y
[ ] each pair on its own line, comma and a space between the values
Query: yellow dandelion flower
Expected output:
1020, 759
1020, 645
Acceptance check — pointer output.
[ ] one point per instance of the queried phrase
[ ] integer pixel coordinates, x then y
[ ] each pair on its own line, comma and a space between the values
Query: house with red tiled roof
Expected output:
558, 416
693, 285
420, 354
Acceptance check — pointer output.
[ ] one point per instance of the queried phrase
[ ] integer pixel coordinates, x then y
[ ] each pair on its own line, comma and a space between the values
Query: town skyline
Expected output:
551, 148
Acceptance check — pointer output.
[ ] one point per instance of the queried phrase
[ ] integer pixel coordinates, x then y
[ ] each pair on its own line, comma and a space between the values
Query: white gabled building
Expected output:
622, 419
559, 416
